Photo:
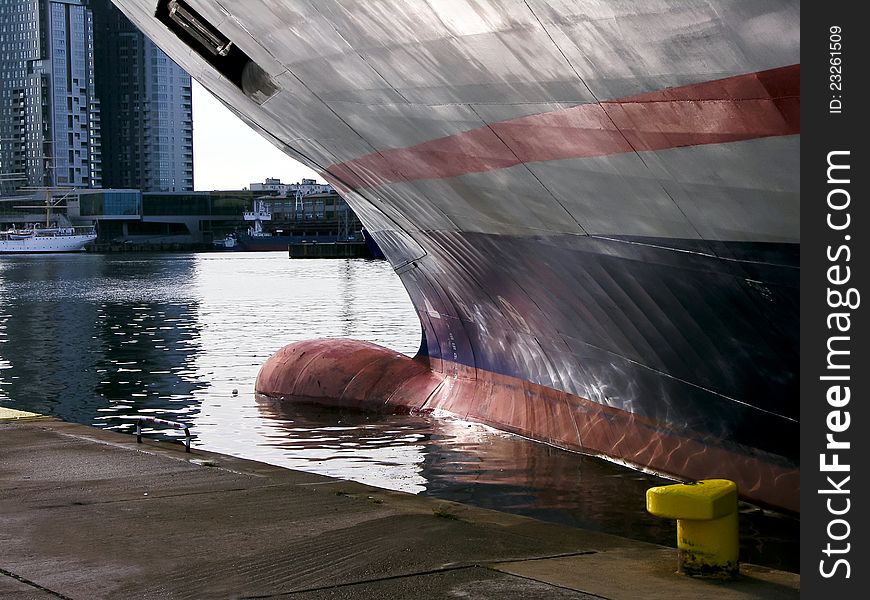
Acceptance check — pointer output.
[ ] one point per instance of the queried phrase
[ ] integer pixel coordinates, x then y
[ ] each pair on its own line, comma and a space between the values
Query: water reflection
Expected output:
465, 462
380, 450
89, 338
85, 340
147, 363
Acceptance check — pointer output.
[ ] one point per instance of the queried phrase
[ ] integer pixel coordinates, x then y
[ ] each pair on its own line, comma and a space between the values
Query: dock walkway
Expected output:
87, 514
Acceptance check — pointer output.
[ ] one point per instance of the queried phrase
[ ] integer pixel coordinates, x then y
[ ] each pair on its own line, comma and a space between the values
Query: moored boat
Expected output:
593, 206
54, 234
46, 239
318, 219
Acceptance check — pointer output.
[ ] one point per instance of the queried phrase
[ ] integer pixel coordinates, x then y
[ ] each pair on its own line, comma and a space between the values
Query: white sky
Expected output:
229, 155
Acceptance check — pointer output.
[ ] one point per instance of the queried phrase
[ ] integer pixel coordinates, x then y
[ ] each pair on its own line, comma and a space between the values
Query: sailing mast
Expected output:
49, 201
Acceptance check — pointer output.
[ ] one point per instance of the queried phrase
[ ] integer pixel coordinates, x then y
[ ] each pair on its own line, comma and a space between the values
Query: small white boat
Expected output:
227, 243
50, 236
46, 239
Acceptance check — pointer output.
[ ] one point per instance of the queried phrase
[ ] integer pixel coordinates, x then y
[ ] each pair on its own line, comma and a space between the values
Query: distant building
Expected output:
146, 102
49, 112
131, 216
304, 188
86, 100
131, 219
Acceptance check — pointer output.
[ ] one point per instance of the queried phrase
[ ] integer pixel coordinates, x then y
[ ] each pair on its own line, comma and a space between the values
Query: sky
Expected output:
229, 155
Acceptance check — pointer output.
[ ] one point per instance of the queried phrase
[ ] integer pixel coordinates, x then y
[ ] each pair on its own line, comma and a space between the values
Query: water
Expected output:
90, 338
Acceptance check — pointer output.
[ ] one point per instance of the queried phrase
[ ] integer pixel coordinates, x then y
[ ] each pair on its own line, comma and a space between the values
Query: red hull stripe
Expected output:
744, 107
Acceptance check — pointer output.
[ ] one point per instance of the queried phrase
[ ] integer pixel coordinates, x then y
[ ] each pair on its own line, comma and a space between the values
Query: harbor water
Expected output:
92, 338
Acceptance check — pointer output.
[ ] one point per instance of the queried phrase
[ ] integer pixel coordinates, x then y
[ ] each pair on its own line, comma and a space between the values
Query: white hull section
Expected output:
71, 243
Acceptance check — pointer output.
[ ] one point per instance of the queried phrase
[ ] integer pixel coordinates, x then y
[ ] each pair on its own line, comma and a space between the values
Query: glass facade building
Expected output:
110, 204
147, 108
87, 101
228, 204
49, 112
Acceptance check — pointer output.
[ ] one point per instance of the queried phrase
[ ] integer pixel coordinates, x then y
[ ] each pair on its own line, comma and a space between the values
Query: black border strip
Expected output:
834, 101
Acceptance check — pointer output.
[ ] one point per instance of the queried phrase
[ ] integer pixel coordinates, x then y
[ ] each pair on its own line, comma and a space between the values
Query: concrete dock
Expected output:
88, 514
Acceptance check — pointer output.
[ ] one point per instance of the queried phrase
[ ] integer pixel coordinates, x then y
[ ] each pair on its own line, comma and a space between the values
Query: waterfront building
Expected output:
135, 217
86, 100
128, 216
306, 187
302, 206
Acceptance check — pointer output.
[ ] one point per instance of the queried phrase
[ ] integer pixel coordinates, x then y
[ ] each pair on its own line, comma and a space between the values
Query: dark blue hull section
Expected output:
702, 343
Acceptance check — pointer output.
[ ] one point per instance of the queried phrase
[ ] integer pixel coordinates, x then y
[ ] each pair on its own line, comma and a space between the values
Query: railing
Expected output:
154, 420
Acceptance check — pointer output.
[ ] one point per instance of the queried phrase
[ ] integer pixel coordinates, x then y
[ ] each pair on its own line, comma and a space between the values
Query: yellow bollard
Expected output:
706, 514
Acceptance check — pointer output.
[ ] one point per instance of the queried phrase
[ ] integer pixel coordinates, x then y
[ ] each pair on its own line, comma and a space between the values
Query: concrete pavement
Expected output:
89, 514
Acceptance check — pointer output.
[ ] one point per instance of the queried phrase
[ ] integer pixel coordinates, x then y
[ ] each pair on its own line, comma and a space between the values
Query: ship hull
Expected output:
673, 362
593, 206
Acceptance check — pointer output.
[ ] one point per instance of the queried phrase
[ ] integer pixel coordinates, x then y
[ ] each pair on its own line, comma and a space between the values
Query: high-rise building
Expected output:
146, 108
49, 113
87, 101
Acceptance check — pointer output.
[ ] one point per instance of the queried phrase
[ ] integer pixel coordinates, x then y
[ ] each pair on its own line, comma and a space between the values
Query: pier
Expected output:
329, 250
90, 514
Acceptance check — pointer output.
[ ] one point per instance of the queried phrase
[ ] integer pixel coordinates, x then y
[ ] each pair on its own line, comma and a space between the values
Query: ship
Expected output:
37, 239
593, 206
55, 234
316, 225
